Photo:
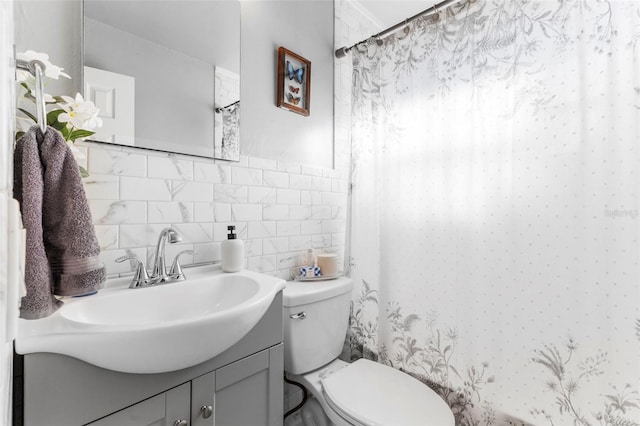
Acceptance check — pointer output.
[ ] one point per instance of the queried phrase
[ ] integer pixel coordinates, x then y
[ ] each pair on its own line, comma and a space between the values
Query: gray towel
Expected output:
62, 249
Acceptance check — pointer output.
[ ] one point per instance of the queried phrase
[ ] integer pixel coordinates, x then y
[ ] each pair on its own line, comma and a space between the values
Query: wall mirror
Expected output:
165, 75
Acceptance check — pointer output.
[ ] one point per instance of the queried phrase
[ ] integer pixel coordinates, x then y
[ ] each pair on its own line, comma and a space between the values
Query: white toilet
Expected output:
363, 393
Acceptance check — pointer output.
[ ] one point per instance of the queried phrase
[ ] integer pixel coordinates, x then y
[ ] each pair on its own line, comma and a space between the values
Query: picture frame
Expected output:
293, 82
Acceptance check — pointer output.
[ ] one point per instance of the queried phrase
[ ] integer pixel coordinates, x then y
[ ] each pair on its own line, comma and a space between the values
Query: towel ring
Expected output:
41, 112
37, 69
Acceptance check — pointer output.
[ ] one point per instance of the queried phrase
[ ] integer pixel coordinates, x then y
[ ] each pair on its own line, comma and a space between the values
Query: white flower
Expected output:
77, 104
76, 118
80, 113
51, 71
93, 122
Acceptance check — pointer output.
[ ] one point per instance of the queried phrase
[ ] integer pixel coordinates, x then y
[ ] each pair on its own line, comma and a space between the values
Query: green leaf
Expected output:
52, 120
80, 133
83, 172
65, 133
52, 116
28, 114
19, 135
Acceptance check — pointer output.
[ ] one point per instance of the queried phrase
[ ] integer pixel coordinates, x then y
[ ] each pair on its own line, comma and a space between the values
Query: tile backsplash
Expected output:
280, 209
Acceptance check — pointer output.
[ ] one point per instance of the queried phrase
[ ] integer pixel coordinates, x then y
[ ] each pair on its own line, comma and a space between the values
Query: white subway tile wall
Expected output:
279, 209
324, 190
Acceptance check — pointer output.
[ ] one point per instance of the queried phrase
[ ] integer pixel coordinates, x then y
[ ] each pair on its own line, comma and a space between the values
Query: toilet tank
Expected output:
316, 317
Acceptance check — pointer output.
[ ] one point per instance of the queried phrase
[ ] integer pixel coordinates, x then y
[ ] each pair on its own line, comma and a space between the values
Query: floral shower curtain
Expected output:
495, 204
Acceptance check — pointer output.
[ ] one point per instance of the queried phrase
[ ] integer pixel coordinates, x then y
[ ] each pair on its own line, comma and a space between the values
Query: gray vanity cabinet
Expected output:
243, 386
168, 408
239, 393
202, 397
241, 398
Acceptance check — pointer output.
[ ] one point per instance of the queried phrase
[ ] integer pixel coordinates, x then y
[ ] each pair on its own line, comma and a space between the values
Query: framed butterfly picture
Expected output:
294, 82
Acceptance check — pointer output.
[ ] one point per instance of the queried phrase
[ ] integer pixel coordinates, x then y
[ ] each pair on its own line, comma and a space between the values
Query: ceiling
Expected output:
390, 12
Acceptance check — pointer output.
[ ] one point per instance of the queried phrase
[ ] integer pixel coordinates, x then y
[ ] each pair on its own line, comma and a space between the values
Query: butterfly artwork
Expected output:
295, 74
294, 82
293, 99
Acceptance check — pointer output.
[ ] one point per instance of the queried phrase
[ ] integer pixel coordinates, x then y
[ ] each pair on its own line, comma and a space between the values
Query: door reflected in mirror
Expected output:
165, 75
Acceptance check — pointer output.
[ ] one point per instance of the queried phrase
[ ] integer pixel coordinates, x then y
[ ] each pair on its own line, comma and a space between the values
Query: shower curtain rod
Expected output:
342, 52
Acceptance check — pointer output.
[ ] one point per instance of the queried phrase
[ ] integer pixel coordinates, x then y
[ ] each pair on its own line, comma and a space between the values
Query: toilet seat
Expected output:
371, 394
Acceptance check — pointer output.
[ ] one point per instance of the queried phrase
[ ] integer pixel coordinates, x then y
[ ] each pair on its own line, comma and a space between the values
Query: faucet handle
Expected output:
140, 278
176, 270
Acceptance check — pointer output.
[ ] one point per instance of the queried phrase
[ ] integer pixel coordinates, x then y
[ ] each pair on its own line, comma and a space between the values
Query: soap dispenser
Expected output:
232, 252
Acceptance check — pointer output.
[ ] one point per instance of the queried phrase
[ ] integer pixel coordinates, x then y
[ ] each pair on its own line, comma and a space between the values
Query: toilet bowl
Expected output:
312, 414
362, 393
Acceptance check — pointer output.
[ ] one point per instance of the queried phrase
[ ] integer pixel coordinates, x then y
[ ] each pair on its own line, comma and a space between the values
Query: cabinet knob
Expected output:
181, 423
207, 411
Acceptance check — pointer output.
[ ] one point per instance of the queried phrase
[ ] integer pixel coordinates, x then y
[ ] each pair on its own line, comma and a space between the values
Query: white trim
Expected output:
7, 120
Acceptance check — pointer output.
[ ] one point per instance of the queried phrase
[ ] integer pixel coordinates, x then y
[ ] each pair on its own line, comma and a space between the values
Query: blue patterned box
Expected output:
310, 271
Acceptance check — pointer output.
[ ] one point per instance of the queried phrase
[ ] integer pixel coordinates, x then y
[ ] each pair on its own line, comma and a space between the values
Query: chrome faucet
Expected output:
140, 278
159, 272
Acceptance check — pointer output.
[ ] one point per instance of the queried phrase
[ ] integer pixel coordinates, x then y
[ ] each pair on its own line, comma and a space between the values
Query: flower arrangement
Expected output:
75, 118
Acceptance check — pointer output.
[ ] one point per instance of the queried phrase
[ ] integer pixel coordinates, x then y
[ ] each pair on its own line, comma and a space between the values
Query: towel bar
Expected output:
37, 68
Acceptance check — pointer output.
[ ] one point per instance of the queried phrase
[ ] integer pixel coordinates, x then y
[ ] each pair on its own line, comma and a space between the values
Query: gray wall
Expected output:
186, 103
214, 25
53, 27
305, 27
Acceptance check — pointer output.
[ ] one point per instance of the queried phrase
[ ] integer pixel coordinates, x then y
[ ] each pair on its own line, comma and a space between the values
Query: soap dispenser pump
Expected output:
232, 252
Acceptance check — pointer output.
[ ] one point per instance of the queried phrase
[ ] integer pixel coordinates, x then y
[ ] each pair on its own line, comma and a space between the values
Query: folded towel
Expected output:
62, 249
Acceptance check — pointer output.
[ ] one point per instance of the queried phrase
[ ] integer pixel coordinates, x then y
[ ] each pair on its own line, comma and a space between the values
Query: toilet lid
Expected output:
372, 394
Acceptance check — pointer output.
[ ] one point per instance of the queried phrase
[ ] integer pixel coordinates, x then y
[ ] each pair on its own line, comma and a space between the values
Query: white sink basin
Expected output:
156, 329
165, 304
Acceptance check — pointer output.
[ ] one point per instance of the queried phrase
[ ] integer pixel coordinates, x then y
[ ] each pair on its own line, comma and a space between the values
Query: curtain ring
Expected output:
406, 26
436, 14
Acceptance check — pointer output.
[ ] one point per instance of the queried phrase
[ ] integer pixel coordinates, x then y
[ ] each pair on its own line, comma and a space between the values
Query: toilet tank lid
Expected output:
298, 293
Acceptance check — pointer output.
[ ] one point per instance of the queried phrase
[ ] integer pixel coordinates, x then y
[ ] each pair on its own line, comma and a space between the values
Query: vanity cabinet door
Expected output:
166, 409
202, 400
249, 392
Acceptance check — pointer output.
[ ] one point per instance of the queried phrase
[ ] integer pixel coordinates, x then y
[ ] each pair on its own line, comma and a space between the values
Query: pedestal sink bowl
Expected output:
156, 329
